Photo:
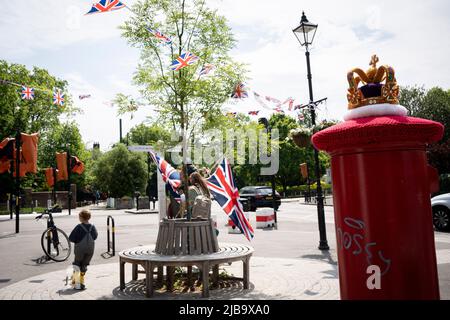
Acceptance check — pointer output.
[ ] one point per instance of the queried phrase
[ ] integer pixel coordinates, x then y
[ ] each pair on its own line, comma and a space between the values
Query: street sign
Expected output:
140, 149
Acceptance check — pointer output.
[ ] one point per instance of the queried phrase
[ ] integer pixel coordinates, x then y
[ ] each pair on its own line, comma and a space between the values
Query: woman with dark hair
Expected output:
199, 198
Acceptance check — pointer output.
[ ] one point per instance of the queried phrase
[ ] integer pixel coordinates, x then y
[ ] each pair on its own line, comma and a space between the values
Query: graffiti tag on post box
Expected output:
352, 241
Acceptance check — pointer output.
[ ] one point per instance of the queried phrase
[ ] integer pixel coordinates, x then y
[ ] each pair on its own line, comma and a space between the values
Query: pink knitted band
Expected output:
377, 130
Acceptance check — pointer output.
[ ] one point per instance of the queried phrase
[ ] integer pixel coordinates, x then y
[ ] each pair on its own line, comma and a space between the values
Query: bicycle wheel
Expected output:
56, 244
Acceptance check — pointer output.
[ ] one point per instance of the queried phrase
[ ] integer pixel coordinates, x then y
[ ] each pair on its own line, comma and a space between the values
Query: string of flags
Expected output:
241, 92
29, 93
184, 60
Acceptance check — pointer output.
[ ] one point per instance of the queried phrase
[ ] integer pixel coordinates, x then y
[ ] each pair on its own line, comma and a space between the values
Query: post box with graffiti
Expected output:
381, 188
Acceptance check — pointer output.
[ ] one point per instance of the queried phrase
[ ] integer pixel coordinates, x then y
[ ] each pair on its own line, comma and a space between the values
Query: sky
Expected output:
89, 52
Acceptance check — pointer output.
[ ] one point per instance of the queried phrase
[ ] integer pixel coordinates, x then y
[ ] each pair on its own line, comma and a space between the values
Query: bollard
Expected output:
111, 245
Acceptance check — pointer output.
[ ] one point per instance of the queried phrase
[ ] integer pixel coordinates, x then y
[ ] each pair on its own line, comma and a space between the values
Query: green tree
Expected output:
120, 172
149, 135
292, 156
30, 116
37, 115
433, 104
182, 98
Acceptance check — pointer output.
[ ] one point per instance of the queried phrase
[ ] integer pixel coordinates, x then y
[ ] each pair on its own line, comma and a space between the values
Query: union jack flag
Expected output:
161, 37
169, 174
58, 97
105, 6
291, 103
186, 59
253, 113
222, 186
239, 92
27, 93
206, 69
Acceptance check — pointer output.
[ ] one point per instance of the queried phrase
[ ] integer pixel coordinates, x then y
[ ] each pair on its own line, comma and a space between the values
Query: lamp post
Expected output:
305, 34
268, 128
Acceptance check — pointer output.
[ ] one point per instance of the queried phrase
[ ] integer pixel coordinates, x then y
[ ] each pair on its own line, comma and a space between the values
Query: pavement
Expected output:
286, 264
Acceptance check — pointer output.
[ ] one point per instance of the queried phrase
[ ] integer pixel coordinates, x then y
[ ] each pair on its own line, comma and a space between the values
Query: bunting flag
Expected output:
239, 92
106, 6
289, 100
222, 186
27, 93
206, 69
61, 164
84, 96
76, 165
278, 110
186, 59
108, 103
259, 99
291, 103
29, 152
161, 37
7, 150
58, 97
270, 99
253, 113
49, 178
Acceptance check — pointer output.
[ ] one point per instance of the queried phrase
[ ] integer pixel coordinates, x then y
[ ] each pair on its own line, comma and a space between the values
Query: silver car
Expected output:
441, 212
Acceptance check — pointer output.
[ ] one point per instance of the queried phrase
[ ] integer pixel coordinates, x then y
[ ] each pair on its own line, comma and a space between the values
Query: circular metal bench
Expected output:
149, 260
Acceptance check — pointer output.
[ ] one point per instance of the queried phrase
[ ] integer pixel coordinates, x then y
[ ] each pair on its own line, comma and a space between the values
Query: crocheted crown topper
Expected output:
373, 90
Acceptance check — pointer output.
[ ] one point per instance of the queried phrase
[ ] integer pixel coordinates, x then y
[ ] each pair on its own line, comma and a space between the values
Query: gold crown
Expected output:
373, 91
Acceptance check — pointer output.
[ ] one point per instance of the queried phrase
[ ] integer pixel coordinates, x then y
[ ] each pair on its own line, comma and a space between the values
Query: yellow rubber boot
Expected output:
82, 280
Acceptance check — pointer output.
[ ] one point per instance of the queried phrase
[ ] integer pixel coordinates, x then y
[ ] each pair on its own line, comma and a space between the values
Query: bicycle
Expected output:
54, 241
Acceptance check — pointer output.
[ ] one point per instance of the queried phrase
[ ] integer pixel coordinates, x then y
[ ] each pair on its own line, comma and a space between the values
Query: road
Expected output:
297, 237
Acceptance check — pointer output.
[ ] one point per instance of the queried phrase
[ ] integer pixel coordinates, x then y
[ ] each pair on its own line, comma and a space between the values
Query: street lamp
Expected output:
305, 34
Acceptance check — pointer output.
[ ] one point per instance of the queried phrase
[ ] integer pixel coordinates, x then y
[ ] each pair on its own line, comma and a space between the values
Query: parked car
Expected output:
441, 212
260, 196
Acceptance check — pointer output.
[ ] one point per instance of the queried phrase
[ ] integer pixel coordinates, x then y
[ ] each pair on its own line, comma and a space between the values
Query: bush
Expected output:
120, 172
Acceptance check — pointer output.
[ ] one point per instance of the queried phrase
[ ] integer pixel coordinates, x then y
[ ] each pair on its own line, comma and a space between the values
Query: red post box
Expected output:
381, 191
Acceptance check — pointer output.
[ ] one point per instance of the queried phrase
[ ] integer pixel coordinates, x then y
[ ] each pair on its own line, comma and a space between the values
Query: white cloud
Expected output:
28, 26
